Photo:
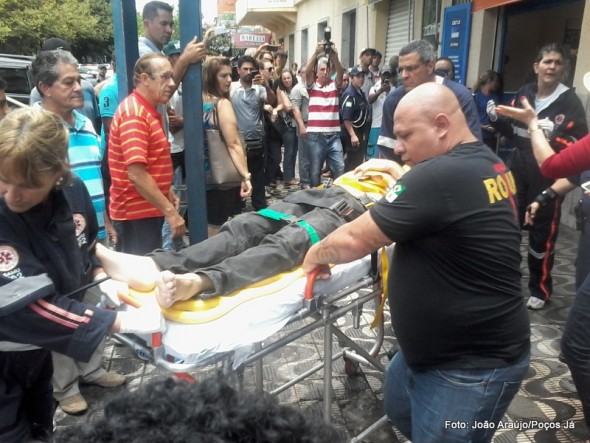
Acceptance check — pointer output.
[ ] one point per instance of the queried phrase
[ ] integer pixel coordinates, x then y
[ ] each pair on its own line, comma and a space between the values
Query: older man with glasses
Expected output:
140, 162
416, 66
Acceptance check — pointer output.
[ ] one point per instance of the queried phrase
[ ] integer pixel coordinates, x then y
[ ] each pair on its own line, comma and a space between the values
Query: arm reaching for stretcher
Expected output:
350, 242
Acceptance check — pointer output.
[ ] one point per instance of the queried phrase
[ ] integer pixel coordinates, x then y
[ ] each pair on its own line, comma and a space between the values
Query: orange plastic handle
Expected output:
130, 300
311, 278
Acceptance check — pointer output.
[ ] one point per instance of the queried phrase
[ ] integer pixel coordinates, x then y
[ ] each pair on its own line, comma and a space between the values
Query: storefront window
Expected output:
431, 22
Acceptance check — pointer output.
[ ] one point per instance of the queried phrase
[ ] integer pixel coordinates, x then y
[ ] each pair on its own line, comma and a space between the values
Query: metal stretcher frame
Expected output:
322, 308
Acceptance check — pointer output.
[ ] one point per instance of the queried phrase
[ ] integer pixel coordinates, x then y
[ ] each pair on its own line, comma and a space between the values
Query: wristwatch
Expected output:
247, 177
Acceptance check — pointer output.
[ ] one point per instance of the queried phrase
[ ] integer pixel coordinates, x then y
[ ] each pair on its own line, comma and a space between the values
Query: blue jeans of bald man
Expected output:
449, 405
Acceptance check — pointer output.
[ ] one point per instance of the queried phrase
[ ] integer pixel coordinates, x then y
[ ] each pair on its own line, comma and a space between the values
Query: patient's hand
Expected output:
381, 165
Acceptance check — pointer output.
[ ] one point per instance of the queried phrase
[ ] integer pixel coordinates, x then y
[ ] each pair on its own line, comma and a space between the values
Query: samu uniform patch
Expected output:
9, 260
395, 192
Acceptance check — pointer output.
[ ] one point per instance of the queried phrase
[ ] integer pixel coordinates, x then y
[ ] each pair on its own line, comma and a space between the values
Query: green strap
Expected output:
279, 216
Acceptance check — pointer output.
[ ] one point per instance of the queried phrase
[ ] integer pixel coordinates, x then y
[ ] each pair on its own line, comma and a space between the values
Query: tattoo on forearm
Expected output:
326, 254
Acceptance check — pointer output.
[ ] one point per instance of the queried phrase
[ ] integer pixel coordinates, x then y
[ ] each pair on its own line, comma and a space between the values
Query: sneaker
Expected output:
74, 404
535, 303
108, 380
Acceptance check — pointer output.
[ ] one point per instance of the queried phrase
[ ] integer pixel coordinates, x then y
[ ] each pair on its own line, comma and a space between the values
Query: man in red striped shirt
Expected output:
140, 163
323, 124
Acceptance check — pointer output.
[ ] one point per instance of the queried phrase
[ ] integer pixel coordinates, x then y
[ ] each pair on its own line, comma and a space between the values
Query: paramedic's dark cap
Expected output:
357, 70
54, 43
172, 48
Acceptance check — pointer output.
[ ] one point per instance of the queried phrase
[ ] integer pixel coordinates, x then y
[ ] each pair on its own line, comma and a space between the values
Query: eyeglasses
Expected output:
3, 103
409, 69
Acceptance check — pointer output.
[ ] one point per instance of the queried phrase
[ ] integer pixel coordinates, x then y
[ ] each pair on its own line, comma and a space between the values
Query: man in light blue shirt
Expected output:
58, 81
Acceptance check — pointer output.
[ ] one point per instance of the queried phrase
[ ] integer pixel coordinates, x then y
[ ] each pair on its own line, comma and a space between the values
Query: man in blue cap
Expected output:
356, 116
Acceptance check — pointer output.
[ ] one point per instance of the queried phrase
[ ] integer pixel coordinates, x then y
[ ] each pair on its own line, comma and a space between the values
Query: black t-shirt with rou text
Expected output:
454, 285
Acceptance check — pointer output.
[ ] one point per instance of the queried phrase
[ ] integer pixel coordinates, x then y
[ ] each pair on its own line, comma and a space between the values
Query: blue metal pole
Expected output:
189, 12
126, 52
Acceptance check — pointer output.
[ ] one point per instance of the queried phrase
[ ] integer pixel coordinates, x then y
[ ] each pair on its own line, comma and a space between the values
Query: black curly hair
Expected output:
208, 411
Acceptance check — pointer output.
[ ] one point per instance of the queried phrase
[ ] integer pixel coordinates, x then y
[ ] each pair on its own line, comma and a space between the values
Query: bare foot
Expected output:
178, 287
139, 272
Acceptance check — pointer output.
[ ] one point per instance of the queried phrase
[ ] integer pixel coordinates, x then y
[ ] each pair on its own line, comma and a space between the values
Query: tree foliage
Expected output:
86, 24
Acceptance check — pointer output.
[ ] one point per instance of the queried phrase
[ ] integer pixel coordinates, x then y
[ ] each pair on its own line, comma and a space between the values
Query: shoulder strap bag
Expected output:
223, 170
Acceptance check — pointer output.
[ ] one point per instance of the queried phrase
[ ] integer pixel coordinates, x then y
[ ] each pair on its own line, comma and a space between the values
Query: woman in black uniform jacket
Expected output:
41, 260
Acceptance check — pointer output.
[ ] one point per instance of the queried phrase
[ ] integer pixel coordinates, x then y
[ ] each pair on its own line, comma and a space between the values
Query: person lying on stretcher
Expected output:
255, 245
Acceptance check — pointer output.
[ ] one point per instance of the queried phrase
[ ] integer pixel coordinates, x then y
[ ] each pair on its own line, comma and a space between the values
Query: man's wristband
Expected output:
247, 177
546, 197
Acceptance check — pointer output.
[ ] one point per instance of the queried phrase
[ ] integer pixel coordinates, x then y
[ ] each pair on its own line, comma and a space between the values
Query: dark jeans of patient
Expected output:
250, 248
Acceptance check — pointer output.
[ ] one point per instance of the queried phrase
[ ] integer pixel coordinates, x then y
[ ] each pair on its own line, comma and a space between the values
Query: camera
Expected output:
327, 37
272, 48
386, 81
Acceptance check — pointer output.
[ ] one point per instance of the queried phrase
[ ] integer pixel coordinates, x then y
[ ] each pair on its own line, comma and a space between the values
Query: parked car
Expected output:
87, 73
16, 70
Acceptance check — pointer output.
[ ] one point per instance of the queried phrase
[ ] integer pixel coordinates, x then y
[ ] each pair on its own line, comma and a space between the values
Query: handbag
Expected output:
223, 170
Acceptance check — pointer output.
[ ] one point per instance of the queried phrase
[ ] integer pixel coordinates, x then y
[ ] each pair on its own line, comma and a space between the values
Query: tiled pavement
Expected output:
545, 399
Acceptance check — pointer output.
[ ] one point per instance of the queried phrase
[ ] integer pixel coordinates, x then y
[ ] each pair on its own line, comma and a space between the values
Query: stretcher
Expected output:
236, 328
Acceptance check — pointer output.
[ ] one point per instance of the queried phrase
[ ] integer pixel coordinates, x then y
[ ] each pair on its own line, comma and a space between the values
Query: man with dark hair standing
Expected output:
416, 66
365, 61
445, 67
90, 105
252, 95
157, 32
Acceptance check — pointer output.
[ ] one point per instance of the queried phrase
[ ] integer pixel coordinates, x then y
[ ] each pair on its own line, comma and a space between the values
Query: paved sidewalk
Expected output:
545, 400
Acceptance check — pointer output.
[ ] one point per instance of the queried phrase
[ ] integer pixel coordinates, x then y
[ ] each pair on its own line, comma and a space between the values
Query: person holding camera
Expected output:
251, 96
323, 124
376, 99
365, 62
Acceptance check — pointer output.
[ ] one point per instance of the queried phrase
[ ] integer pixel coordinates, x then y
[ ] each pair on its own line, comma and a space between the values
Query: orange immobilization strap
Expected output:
384, 275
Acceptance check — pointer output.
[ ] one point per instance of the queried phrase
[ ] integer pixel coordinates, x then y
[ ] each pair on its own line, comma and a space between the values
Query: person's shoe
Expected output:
535, 303
293, 182
108, 380
74, 404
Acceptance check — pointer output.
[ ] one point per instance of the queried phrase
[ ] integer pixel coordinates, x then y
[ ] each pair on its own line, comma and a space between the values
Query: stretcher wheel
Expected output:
350, 367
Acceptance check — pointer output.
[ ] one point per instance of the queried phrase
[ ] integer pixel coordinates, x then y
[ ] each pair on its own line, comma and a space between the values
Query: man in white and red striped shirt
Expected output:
323, 124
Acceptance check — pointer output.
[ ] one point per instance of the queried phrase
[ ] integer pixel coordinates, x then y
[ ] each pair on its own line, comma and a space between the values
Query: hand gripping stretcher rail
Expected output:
238, 326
